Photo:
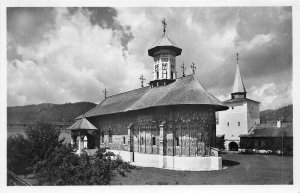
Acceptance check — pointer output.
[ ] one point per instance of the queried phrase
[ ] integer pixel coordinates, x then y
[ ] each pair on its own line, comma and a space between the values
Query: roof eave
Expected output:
215, 107
174, 48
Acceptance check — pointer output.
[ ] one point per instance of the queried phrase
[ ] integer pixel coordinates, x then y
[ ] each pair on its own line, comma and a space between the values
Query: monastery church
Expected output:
169, 124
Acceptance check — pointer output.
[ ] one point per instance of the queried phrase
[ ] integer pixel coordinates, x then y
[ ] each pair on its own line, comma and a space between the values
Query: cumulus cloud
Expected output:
75, 62
75, 53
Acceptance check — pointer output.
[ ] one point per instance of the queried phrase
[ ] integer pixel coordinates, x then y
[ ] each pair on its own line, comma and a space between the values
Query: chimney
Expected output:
279, 124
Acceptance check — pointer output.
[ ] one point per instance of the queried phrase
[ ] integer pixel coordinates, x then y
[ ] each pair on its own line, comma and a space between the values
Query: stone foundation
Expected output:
171, 162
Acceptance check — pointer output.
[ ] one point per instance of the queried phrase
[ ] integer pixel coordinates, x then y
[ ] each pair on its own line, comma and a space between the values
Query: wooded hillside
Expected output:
52, 112
285, 114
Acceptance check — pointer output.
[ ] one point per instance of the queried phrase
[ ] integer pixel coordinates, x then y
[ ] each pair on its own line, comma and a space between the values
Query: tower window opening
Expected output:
124, 140
164, 67
142, 141
228, 124
239, 124
165, 74
157, 74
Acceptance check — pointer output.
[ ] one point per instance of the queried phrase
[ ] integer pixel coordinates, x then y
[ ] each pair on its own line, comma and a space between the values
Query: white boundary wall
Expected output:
172, 162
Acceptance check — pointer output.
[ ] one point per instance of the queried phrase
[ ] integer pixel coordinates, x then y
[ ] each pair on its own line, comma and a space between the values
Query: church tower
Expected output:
164, 54
238, 89
242, 115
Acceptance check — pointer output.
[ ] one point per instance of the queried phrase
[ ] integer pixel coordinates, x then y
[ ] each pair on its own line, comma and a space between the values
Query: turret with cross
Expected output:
164, 53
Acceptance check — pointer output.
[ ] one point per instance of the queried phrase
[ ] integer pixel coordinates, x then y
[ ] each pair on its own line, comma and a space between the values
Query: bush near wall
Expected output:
220, 142
52, 162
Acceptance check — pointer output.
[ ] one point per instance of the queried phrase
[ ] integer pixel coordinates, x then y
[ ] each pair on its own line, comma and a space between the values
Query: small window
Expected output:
177, 140
228, 124
110, 136
142, 141
102, 137
239, 124
232, 107
153, 141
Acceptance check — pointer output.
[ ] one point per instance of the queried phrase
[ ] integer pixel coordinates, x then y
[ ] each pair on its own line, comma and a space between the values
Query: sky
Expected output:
59, 55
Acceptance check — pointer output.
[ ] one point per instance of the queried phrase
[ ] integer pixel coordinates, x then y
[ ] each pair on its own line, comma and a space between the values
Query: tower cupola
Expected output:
238, 89
164, 54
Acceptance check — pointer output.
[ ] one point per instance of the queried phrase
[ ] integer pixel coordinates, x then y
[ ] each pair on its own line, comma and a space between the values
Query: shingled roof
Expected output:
263, 130
238, 85
164, 42
82, 124
184, 91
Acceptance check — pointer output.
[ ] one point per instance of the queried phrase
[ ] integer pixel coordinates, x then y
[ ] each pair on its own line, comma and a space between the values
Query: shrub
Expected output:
24, 152
18, 159
42, 140
64, 167
220, 141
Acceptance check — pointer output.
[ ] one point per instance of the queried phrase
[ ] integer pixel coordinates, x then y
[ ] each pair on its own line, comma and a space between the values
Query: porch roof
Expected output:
82, 124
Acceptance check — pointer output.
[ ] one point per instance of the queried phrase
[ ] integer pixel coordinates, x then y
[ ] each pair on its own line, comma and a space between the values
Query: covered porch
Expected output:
84, 135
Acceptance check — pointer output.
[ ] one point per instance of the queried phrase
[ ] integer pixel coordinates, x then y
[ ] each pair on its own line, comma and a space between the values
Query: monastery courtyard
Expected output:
237, 169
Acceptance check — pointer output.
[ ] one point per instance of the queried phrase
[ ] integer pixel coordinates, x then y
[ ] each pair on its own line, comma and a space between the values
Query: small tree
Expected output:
220, 141
18, 159
24, 152
42, 140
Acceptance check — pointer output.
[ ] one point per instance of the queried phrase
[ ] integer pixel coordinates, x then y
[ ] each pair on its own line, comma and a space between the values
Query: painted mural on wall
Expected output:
188, 131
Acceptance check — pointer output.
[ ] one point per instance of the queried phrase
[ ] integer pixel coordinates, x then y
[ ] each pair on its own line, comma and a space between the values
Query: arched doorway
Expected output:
233, 146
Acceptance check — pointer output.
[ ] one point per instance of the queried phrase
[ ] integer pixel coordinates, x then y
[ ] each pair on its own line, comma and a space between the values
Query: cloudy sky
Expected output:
60, 55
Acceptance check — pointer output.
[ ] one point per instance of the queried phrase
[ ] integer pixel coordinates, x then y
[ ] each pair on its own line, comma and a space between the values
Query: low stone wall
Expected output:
171, 162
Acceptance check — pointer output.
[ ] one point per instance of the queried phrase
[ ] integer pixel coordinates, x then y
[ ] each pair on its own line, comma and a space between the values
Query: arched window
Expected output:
239, 124
124, 140
156, 70
164, 68
153, 141
142, 141
228, 124
177, 141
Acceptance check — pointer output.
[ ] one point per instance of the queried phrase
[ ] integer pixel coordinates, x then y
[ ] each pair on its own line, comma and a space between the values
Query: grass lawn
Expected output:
238, 169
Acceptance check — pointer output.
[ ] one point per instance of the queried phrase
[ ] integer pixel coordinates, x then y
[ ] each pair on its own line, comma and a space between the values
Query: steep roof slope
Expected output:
238, 85
185, 90
82, 124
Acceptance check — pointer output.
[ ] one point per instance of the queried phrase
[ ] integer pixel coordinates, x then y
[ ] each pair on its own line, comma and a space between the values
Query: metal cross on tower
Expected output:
193, 66
105, 93
164, 25
183, 68
142, 79
237, 57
